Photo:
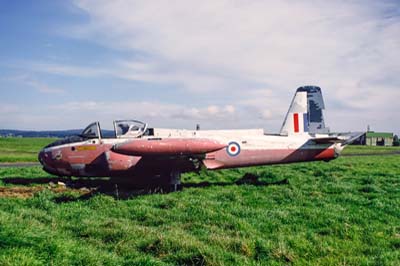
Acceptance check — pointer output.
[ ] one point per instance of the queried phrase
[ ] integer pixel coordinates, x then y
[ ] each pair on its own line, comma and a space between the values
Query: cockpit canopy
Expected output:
122, 129
129, 128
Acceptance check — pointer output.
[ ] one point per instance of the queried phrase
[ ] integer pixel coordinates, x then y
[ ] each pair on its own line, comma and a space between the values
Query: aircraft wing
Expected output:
343, 138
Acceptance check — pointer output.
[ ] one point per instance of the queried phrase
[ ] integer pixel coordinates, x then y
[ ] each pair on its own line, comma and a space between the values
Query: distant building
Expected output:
372, 138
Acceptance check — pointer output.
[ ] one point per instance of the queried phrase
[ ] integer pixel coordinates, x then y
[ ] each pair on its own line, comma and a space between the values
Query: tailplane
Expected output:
305, 113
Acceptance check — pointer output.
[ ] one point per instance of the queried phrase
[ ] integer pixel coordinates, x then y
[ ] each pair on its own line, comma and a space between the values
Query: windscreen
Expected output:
91, 131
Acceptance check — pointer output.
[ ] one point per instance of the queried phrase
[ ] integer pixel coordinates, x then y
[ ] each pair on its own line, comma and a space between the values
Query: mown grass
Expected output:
345, 212
357, 149
22, 149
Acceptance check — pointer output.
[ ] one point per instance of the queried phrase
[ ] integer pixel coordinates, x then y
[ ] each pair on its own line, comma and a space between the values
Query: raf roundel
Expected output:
233, 148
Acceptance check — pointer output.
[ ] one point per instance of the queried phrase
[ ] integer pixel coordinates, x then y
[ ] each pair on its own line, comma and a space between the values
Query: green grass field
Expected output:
355, 149
345, 212
22, 149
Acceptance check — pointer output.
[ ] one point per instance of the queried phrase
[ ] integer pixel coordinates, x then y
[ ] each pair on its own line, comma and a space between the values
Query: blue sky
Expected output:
223, 64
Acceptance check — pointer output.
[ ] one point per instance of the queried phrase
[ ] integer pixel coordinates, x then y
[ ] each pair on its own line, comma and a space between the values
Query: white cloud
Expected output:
77, 114
7, 109
65, 70
35, 84
253, 52
44, 88
230, 109
350, 49
147, 109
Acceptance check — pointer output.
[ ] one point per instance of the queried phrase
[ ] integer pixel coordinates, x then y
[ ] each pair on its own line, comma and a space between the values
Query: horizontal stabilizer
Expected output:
327, 140
352, 136
343, 138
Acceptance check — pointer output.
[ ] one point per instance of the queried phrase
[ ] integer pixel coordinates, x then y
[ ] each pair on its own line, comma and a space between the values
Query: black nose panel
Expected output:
40, 157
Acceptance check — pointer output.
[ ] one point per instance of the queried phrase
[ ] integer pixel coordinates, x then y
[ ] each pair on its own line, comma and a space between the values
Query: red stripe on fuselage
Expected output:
296, 122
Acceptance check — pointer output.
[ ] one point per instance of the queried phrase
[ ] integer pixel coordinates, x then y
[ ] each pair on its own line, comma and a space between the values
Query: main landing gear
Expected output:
174, 178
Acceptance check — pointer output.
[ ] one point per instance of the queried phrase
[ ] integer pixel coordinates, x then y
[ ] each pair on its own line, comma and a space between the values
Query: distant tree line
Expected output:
47, 133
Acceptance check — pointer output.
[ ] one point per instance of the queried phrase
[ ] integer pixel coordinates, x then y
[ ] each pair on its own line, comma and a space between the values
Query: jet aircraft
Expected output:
140, 153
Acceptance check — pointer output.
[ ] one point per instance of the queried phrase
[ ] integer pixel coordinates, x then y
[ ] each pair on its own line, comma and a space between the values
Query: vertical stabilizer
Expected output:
305, 113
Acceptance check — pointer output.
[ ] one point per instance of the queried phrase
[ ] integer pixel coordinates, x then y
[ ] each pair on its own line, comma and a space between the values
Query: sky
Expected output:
221, 64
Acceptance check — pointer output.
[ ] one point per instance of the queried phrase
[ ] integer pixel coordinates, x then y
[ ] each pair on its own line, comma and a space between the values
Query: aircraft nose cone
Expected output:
47, 162
44, 158
41, 157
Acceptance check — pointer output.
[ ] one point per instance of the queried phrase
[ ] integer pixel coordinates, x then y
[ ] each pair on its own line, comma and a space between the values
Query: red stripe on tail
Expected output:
296, 122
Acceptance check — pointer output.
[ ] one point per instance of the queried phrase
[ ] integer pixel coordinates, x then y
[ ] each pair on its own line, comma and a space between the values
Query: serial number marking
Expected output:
86, 148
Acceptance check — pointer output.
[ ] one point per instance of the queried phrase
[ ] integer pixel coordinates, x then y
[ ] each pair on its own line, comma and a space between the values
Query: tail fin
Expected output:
305, 113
